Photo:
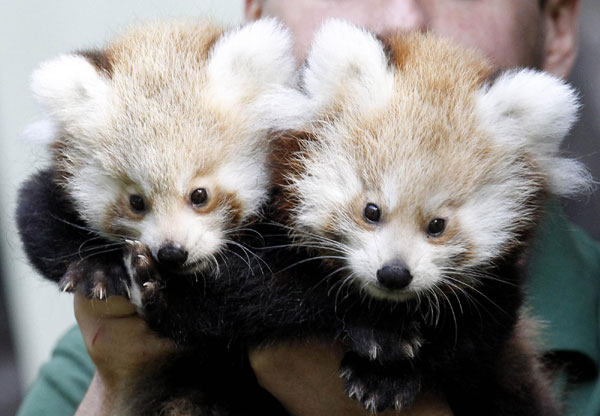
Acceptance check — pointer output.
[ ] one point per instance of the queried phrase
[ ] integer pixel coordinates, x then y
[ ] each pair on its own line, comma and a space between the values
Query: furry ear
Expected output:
252, 60
534, 111
255, 64
347, 65
41, 131
72, 92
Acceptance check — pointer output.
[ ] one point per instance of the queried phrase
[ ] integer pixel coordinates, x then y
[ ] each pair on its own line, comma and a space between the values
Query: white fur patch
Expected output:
283, 108
346, 61
246, 176
249, 61
490, 218
327, 186
531, 110
41, 131
93, 192
72, 92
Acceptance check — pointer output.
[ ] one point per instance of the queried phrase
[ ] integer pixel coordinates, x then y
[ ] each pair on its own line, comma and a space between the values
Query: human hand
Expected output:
304, 377
121, 346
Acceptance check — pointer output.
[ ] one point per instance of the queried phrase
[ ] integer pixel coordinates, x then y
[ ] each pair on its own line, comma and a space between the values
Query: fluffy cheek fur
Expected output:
93, 194
496, 215
246, 177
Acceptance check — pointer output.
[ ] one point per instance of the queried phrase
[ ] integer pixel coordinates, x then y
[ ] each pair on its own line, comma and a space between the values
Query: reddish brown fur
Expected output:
283, 162
234, 207
102, 60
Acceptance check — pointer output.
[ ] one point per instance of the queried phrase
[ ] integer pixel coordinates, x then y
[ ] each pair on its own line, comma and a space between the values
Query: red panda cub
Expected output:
159, 148
418, 186
161, 138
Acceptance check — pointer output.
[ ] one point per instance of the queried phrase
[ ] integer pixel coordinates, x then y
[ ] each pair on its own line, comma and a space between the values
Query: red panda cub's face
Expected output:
420, 172
162, 137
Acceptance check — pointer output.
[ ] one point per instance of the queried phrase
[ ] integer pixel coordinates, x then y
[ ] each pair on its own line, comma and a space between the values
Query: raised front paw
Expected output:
379, 387
145, 280
95, 278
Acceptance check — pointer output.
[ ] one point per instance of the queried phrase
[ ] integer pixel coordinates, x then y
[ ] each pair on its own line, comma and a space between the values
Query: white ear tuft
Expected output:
283, 108
72, 92
569, 177
41, 131
248, 61
347, 62
529, 105
533, 111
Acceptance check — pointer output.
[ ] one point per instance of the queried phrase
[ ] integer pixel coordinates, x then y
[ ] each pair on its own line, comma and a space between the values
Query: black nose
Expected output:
394, 275
172, 255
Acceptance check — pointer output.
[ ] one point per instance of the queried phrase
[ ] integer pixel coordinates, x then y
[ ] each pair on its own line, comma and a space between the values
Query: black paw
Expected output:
384, 345
378, 387
147, 291
95, 278
143, 273
140, 263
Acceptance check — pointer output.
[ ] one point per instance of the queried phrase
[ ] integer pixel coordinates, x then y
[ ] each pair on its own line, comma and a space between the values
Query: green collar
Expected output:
564, 289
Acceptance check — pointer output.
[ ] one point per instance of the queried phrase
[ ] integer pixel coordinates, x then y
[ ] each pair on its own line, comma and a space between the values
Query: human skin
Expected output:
510, 33
303, 376
121, 346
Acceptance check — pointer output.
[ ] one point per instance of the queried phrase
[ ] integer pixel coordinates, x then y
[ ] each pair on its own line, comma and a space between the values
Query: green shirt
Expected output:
564, 292
62, 381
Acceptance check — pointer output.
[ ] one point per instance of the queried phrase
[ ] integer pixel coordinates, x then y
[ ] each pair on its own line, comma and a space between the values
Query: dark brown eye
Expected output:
199, 197
137, 203
436, 227
372, 212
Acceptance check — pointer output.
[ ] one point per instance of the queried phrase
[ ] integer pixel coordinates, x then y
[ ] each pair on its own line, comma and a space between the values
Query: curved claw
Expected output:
379, 387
